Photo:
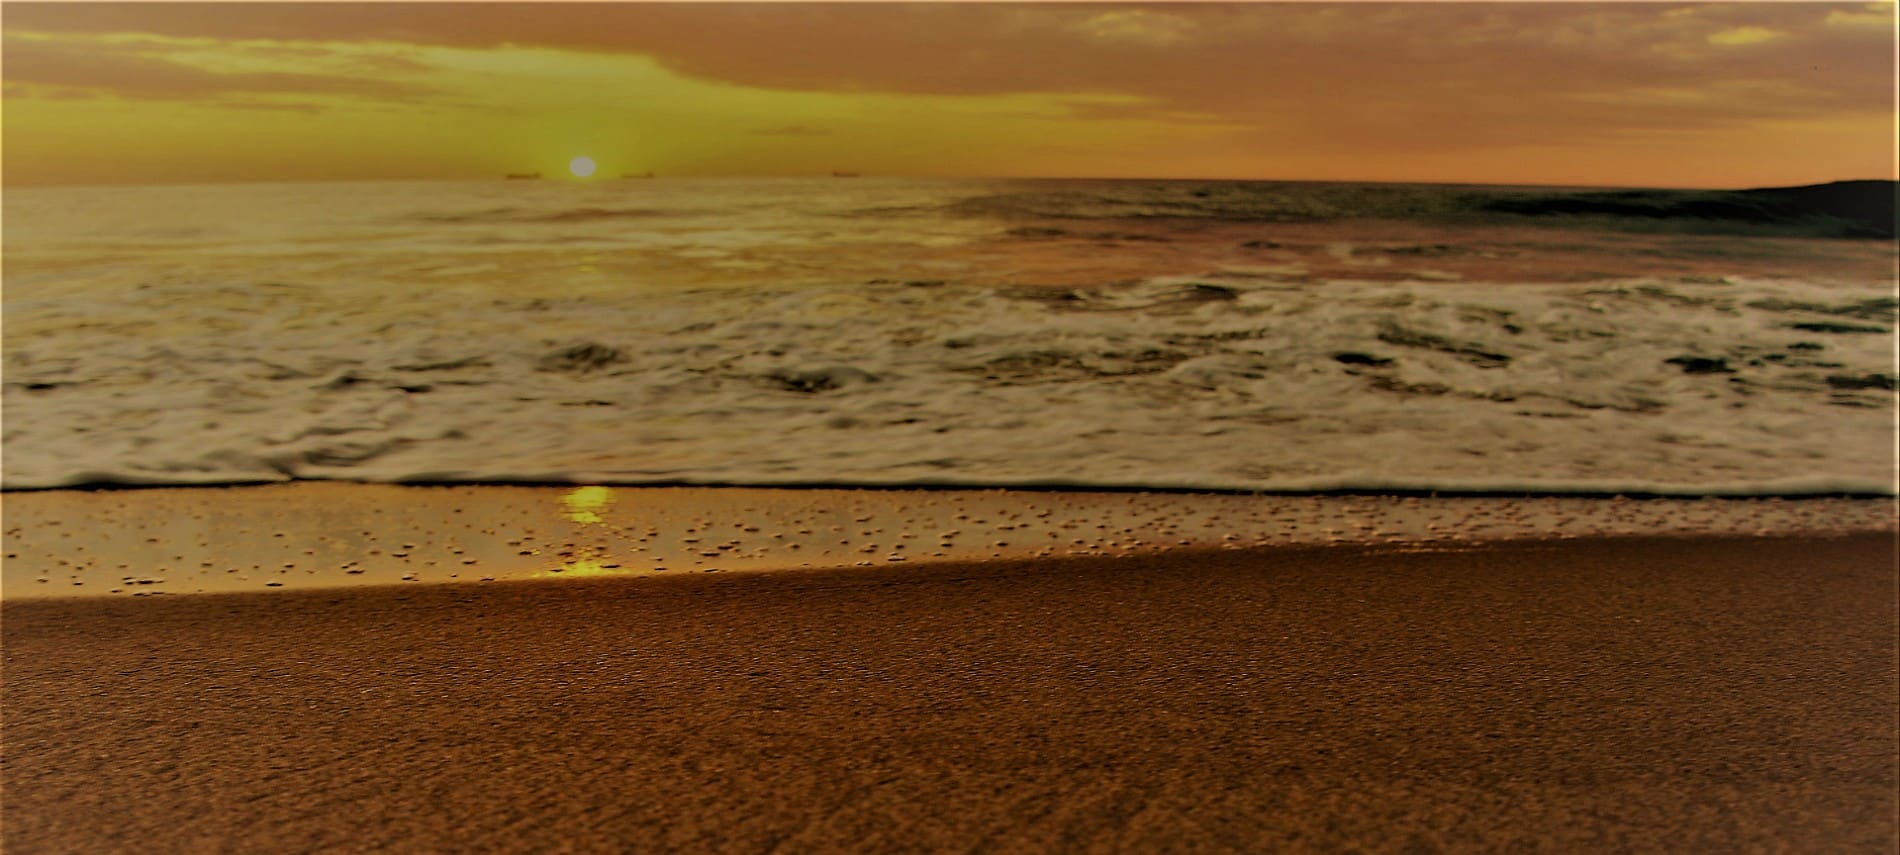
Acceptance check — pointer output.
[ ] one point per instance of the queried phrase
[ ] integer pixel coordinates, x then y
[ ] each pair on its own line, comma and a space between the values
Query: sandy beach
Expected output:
949, 427
1599, 693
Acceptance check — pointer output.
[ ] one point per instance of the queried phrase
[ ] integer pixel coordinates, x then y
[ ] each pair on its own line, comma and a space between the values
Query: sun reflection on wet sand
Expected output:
581, 567
585, 504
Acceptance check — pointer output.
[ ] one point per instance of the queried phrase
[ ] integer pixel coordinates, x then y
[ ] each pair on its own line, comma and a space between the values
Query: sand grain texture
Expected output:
1715, 695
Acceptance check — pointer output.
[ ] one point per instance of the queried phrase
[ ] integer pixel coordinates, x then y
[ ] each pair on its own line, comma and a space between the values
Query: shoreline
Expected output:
605, 583
326, 535
1648, 693
1686, 493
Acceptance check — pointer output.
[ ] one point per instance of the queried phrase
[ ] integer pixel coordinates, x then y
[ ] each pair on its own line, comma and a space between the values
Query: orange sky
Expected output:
1612, 94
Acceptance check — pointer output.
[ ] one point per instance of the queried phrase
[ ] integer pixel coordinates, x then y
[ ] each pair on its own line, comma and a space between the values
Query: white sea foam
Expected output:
255, 361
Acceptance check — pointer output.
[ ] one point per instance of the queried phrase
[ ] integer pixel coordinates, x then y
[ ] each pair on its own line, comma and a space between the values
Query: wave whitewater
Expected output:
1661, 387
1194, 335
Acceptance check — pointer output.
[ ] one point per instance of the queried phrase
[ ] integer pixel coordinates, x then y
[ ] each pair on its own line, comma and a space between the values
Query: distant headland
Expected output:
1854, 209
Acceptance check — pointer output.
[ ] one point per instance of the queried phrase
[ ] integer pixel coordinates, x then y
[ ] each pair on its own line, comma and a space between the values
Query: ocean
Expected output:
899, 332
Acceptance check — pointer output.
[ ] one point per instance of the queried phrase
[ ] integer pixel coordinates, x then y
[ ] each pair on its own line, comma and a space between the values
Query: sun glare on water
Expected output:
582, 167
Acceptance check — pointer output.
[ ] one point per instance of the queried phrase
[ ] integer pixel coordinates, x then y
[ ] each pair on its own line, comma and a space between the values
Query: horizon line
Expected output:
561, 179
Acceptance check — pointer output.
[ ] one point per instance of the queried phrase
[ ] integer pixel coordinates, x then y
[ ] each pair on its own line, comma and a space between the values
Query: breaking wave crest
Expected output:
1203, 335
1218, 382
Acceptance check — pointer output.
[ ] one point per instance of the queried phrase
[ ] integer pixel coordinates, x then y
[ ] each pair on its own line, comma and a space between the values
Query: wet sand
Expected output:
311, 534
1714, 694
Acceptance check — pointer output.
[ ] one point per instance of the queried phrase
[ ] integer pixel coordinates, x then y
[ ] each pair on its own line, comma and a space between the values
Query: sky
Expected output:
1627, 94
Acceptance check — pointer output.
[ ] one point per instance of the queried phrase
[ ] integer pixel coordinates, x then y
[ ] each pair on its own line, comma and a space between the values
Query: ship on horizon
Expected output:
523, 176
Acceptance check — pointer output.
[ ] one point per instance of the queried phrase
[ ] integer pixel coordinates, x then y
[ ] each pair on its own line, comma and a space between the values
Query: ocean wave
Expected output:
904, 333
528, 216
1846, 209
1190, 382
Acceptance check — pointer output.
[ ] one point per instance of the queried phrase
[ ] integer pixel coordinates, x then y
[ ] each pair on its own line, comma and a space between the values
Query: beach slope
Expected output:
1593, 694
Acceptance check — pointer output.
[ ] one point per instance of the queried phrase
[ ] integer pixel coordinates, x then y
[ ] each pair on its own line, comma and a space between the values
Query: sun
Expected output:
582, 167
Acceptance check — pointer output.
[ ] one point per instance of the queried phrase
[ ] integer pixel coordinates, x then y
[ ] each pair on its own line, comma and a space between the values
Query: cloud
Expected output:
1138, 27
1744, 36
1872, 16
132, 71
1449, 75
